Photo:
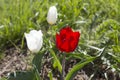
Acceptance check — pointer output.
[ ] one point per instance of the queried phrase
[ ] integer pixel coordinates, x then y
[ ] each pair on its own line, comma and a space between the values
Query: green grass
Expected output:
98, 21
20, 16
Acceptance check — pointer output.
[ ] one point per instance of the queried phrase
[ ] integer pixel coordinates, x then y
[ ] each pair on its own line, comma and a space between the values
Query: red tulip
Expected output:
67, 40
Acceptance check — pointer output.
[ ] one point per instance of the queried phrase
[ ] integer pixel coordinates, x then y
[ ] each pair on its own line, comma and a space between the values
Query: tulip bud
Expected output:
34, 40
52, 15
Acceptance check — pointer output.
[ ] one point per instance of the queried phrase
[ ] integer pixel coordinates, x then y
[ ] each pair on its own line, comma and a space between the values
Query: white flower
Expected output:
52, 15
34, 40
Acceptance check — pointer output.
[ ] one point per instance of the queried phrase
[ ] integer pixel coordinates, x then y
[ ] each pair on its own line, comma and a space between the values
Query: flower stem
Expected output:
63, 66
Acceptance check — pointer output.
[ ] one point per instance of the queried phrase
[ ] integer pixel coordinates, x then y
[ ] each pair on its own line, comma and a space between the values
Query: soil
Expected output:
13, 60
16, 60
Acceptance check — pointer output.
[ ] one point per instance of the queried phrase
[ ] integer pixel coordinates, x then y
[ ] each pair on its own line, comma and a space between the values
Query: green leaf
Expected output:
23, 75
3, 78
50, 75
77, 67
36, 73
55, 64
77, 56
116, 48
37, 60
56, 61
115, 57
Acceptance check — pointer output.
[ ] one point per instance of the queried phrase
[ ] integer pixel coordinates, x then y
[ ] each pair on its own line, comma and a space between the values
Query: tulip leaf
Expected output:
55, 64
36, 73
77, 67
56, 61
37, 60
23, 75
77, 56
50, 75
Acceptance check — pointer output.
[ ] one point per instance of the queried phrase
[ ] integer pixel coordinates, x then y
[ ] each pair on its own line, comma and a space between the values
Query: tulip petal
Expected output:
34, 40
65, 47
65, 30
58, 40
30, 42
75, 40
67, 40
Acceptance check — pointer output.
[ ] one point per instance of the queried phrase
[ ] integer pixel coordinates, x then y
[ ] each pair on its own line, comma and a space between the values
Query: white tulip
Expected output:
52, 15
34, 40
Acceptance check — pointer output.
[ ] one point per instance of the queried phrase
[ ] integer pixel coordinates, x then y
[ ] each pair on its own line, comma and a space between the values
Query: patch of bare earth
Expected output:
12, 61
16, 60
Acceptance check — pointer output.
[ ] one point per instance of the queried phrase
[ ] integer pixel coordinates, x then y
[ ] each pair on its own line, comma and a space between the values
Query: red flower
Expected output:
67, 40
